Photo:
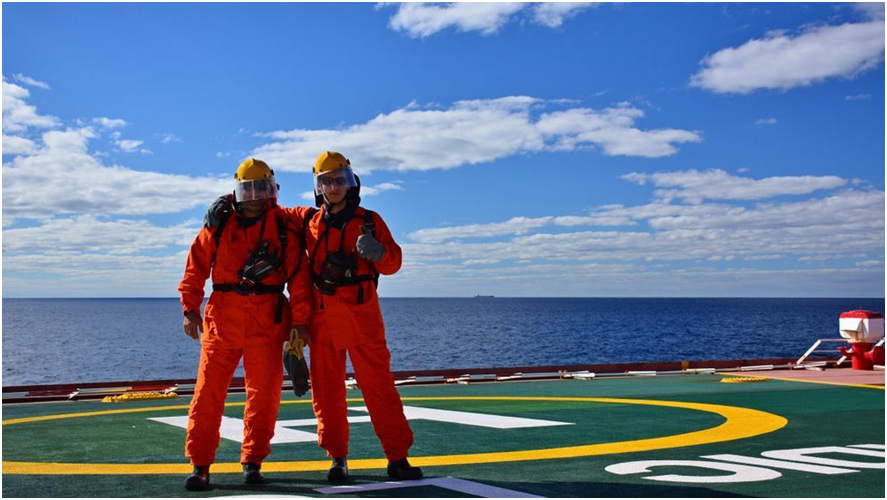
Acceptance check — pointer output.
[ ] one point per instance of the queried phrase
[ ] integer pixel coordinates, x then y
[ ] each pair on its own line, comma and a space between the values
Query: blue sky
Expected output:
514, 149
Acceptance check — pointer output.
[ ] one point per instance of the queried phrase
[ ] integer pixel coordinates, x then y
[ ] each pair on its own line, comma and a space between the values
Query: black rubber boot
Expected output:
199, 478
338, 470
252, 474
403, 470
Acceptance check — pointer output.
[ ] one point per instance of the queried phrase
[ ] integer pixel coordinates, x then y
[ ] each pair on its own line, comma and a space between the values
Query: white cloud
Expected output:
780, 61
553, 14
90, 255
421, 20
76, 274
131, 146
52, 174
63, 178
847, 224
379, 188
869, 263
600, 216
471, 132
14, 145
595, 219
18, 115
765, 121
514, 226
612, 129
109, 122
87, 233
858, 97
27, 80
871, 10
410, 139
715, 184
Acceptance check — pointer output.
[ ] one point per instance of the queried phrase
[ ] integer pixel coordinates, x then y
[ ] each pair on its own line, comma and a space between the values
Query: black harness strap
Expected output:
369, 221
258, 289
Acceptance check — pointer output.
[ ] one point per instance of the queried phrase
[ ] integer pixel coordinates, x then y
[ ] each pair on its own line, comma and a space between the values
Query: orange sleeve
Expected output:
298, 215
393, 258
197, 270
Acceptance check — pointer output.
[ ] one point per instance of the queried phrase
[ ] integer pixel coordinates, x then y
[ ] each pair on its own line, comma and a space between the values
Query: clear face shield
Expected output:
259, 189
334, 182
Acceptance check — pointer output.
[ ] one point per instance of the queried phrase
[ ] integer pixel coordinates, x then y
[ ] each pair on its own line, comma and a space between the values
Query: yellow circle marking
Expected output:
740, 423
742, 380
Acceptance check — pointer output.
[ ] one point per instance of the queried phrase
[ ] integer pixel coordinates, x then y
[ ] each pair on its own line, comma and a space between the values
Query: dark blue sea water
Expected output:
48, 341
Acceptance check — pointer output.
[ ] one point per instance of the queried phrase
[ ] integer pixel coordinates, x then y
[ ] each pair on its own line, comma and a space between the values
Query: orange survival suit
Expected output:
350, 321
250, 326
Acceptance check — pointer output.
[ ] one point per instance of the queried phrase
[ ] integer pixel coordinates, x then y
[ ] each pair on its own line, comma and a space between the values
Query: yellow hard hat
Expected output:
329, 161
255, 181
253, 169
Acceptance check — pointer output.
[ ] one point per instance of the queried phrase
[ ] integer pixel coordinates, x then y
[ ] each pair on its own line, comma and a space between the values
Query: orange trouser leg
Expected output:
205, 416
328, 398
263, 374
372, 368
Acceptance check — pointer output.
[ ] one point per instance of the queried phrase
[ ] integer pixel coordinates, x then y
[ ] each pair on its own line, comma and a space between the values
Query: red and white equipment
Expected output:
863, 329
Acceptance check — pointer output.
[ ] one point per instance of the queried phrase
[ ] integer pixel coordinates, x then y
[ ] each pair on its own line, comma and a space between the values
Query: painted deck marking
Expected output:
806, 455
449, 483
475, 419
779, 464
741, 473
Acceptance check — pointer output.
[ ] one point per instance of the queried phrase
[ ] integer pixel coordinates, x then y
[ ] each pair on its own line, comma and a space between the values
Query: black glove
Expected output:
216, 211
294, 362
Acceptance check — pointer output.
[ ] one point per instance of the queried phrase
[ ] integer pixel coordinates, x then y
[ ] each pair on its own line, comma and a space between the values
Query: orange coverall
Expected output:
340, 324
236, 326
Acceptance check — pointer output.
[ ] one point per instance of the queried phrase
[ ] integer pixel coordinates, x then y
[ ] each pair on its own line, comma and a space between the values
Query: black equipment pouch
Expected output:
337, 270
260, 264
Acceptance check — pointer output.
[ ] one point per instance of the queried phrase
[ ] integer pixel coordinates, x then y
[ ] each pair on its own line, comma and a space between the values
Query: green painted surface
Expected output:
819, 415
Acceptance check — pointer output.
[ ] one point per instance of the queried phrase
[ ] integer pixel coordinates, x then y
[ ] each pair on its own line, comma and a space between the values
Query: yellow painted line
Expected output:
43, 418
740, 423
864, 386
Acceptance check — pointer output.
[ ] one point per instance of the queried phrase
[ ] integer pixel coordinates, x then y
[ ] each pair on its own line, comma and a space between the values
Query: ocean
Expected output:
48, 341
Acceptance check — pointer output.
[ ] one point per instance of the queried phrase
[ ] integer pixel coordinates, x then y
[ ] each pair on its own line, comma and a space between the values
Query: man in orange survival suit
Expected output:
250, 259
348, 248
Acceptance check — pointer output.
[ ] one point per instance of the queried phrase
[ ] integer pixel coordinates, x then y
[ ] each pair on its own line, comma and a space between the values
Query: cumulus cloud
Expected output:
88, 233
847, 224
694, 186
765, 121
109, 122
63, 178
14, 145
131, 146
858, 97
18, 115
475, 131
553, 14
514, 226
782, 61
421, 20
54, 173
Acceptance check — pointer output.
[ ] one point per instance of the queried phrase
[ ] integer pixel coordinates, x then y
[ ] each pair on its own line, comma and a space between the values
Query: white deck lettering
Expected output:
449, 483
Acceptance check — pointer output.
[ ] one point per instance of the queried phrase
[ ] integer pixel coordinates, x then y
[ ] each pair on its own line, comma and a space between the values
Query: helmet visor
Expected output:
335, 180
258, 189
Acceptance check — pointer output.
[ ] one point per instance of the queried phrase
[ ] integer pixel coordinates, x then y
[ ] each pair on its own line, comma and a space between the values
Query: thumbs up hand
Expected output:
368, 247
